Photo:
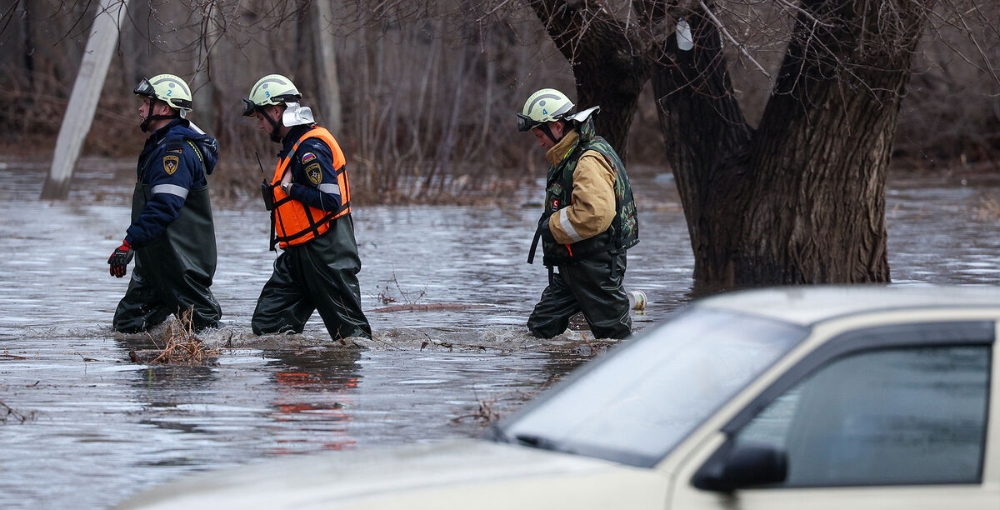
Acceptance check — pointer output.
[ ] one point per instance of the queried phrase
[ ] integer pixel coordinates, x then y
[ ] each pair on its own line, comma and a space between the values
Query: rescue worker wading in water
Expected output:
588, 223
172, 235
310, 202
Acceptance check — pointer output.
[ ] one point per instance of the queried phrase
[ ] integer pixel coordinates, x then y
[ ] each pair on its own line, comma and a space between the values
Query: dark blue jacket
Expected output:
309, 153
174, 160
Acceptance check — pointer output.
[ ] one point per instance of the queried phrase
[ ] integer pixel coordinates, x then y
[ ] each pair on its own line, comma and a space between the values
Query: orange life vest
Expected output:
294, 222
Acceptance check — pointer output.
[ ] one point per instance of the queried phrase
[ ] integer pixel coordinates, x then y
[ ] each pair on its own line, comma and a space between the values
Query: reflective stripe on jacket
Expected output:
294, 222
623, 231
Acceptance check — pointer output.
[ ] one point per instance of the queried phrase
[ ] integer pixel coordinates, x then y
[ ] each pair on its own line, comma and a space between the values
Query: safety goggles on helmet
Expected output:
248, 107
144, 88
525, 123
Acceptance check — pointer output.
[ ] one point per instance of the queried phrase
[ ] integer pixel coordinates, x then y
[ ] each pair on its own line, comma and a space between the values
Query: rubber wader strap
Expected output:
614, 265
534, 245
274, 223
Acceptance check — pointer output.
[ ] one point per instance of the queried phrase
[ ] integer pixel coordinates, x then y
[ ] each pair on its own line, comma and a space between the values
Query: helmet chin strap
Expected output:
275, 125
150, 118
548, 132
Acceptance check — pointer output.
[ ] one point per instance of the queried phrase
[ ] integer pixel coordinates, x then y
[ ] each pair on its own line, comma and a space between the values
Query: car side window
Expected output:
894, 416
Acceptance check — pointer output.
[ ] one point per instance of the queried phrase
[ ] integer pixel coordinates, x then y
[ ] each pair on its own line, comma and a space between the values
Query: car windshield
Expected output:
639, 402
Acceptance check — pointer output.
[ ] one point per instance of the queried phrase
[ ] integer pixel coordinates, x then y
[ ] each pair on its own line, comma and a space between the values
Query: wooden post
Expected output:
327, 83
83, 100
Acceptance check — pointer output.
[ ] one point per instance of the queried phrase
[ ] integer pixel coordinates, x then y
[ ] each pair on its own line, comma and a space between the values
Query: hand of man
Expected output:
544, 230
120, 258
266, 193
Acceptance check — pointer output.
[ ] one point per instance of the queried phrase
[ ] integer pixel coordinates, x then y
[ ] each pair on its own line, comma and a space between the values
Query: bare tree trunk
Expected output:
327, 81
706, 138
803, 200
824, 144
205, 107
27, 43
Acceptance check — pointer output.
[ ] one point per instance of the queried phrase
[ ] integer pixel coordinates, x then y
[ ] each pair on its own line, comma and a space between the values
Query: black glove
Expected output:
265, 192
543, 229
120, 258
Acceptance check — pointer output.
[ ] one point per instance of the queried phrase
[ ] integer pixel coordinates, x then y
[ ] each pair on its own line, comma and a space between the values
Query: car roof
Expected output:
809, 304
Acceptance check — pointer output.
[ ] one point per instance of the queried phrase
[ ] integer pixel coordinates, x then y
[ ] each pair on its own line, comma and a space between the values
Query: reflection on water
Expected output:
102, 428
314, 393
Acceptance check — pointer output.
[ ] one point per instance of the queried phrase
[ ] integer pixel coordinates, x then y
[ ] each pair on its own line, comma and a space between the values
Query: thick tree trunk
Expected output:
609, 72
706, 137
821, 152
802, 200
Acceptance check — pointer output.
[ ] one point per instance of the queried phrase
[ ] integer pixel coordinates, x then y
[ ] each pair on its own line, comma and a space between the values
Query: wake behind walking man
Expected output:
310, 202
588, 222
172, 235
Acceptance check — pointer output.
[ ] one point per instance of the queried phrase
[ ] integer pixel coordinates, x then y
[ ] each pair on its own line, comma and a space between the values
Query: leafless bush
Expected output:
953, 108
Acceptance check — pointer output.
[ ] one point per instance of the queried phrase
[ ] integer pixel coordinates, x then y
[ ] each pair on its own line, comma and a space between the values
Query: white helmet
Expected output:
273, 89
542, 107
167, 88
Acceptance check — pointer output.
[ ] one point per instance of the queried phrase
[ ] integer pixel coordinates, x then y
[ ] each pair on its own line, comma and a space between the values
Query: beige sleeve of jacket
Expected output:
593, 206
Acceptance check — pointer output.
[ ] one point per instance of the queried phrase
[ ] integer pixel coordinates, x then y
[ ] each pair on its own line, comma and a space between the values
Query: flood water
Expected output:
447, 291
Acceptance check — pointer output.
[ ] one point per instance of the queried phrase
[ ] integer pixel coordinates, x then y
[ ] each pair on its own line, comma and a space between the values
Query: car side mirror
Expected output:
737, 467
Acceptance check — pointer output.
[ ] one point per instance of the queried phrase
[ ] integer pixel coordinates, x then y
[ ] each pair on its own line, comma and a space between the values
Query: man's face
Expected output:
144, 109
269, 121
262, 123
543, 138
264, 117
158, 109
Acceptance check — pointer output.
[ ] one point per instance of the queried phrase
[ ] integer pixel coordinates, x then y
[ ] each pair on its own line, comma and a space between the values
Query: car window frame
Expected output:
959, 333
940, 333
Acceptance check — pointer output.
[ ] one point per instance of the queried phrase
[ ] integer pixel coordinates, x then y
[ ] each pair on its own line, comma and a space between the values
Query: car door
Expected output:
888, 417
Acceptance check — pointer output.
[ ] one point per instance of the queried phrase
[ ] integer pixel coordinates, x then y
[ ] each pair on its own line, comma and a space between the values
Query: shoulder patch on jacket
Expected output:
170, 164
314, 173
174, 145
555, 189
308, 158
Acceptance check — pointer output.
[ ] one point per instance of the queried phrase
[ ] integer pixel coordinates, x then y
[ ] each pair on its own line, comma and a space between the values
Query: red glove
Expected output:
120, 258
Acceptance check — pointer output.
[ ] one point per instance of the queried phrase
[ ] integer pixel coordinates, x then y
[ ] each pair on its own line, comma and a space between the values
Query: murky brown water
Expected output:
84, 428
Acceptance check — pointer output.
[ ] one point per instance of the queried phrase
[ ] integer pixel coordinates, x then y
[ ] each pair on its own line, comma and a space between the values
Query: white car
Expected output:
808, 397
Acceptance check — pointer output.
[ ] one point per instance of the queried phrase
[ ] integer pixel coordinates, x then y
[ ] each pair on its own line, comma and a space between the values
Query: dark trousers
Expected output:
150, 299
592, 286
319, 275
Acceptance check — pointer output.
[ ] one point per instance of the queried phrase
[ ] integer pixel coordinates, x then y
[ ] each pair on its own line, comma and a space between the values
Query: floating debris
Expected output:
180, 346
8, 413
